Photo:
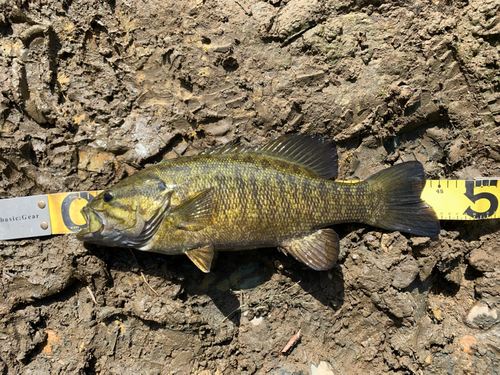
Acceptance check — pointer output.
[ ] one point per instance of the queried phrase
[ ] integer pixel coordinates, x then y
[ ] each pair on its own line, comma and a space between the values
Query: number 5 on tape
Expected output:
463, 199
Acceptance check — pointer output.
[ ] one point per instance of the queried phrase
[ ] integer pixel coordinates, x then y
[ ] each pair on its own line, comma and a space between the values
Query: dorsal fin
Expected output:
312, 152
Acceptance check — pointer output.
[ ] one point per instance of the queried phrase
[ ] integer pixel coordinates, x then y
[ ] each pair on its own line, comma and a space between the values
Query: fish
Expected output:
233, 197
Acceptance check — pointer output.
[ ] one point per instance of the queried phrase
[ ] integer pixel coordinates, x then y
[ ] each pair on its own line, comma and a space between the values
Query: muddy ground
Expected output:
92, 91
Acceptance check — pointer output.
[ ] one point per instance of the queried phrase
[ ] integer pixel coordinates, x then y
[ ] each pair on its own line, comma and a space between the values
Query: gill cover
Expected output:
127, 215
147, 223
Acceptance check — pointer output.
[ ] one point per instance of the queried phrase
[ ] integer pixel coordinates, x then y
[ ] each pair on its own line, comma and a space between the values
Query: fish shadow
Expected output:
241, 282
256, 281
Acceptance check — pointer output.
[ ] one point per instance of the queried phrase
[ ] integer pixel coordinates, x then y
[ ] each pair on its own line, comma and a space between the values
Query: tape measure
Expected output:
463, 199
44, 215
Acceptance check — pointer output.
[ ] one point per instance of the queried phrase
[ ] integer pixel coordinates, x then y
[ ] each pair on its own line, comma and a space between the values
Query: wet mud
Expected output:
93, 91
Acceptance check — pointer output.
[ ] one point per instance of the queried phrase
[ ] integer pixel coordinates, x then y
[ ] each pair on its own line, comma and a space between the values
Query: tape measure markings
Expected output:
463, 199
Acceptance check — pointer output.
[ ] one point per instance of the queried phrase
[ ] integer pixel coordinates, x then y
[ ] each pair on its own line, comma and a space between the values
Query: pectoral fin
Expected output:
202, 257
319, 250
194, 212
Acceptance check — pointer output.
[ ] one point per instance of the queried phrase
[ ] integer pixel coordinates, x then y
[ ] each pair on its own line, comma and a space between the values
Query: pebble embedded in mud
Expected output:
323, 368
405, 273
485, 260
481, 316
468, 343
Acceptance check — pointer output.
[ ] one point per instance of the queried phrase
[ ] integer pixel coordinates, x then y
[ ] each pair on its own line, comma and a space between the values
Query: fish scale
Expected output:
235, 198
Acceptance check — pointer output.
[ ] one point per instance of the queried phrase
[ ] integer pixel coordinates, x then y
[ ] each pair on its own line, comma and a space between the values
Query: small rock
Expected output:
323, 368
438, 314
484, 260
263, 12
405, 273
181, 148
455, 276
426, 265
256, 321
481, 316
457, 151
467, 342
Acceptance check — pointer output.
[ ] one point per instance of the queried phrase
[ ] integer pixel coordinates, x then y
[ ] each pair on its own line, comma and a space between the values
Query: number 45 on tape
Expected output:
44, 215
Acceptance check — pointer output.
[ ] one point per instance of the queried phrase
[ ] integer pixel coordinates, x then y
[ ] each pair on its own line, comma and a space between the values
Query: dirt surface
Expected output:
92, 91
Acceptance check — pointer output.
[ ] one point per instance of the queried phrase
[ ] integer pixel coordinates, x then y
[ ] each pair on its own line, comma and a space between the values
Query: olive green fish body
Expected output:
256, 207
234, 198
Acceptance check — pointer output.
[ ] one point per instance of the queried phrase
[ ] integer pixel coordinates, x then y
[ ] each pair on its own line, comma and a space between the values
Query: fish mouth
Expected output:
94, 222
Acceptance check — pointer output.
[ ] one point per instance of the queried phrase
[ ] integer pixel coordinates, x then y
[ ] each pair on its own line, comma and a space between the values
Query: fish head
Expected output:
128, 214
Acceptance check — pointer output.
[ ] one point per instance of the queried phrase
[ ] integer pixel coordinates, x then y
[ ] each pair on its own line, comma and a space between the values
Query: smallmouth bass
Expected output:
234, 197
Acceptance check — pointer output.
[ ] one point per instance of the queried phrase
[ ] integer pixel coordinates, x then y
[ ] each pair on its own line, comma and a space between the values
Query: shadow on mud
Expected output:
253, 281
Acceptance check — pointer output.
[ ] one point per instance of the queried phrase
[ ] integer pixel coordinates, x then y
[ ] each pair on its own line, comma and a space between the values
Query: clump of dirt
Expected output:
93, 91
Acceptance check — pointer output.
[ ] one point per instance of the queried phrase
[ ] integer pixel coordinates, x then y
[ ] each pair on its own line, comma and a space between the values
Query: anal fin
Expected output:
319, 250
202, 257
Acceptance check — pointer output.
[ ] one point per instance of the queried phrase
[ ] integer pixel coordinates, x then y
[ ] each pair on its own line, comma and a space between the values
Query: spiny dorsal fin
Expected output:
202, 257
194, 212
319, 250
312, 152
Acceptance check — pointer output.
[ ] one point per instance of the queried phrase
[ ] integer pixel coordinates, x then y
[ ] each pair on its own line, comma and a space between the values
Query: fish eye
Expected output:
108, 197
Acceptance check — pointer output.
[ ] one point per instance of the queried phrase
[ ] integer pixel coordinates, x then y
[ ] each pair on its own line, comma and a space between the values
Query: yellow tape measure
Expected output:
463, 199
60, 213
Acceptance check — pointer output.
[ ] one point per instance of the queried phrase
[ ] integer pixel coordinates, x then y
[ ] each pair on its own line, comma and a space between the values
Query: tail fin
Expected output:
397, 191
